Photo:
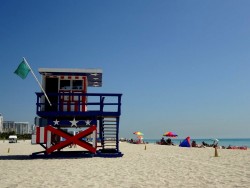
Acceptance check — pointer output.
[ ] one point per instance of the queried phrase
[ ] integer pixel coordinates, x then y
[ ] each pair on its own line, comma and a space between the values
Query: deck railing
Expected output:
78, 104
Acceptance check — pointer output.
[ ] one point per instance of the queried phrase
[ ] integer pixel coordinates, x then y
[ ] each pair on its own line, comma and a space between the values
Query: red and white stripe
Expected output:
68, 77
43, 136
40, 135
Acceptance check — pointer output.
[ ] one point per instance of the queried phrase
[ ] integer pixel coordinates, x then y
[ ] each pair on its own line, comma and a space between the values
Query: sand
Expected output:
157, 166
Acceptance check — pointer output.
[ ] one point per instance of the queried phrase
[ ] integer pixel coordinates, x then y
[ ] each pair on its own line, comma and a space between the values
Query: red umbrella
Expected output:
170, 134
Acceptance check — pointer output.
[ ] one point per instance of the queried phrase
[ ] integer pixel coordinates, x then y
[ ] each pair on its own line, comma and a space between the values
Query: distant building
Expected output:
1, 123
18, 127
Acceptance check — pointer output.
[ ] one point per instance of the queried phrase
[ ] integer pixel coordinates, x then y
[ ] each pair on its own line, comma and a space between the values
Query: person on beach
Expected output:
215, 144
194, 144
204, 143
163, 142
169, 141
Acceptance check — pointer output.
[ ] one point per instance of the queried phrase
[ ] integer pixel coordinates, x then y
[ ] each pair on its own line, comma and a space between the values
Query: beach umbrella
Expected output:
138, 133
170, 134
139, 136
214, 139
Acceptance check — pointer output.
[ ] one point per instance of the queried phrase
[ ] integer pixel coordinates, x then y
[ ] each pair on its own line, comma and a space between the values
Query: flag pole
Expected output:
37, 81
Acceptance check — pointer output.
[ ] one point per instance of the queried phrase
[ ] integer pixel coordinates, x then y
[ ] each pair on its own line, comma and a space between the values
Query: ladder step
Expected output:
109, 130
110, 127
109, 135
111, 120
110, 144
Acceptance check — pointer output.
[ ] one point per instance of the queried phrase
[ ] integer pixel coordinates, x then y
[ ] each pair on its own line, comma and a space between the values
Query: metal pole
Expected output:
37, 81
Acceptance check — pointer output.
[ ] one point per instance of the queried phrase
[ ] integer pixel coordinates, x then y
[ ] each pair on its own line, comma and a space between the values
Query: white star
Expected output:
56, 122
74, 123
87, 122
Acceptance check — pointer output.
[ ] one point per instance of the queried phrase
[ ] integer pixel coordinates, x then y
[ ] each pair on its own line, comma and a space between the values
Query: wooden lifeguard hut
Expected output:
72, 116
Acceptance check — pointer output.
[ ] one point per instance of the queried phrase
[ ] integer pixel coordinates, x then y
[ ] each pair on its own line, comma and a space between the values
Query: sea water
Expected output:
222, 141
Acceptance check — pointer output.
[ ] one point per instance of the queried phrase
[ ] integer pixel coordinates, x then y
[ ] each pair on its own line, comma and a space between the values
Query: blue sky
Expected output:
182, 66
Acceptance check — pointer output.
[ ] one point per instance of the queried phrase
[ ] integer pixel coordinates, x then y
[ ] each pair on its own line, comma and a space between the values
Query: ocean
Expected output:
222, 141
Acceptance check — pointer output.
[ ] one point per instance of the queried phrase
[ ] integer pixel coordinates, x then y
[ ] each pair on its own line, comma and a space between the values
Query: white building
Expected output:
18, 127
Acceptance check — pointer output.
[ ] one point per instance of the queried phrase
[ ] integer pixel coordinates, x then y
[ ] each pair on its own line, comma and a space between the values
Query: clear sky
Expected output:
182, 66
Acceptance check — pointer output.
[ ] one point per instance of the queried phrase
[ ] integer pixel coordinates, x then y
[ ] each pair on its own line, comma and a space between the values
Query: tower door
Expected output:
51, 87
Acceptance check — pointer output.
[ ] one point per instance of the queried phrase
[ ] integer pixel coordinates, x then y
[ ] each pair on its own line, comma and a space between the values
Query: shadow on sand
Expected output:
15, 157
41, 155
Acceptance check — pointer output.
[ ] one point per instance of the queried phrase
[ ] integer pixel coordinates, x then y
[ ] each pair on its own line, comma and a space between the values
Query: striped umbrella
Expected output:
138, 133
170, 134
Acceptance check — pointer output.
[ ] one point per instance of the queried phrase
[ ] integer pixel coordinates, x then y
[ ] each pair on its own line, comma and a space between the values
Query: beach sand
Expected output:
157, 166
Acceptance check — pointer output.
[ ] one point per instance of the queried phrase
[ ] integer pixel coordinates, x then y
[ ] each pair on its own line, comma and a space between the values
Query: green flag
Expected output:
22, 70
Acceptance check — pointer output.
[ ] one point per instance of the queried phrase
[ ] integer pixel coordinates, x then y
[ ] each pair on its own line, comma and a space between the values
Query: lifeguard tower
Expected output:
75, 117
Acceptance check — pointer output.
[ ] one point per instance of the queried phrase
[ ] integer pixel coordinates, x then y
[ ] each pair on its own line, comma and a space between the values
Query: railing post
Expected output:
119, 104
101, 103
37, 104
